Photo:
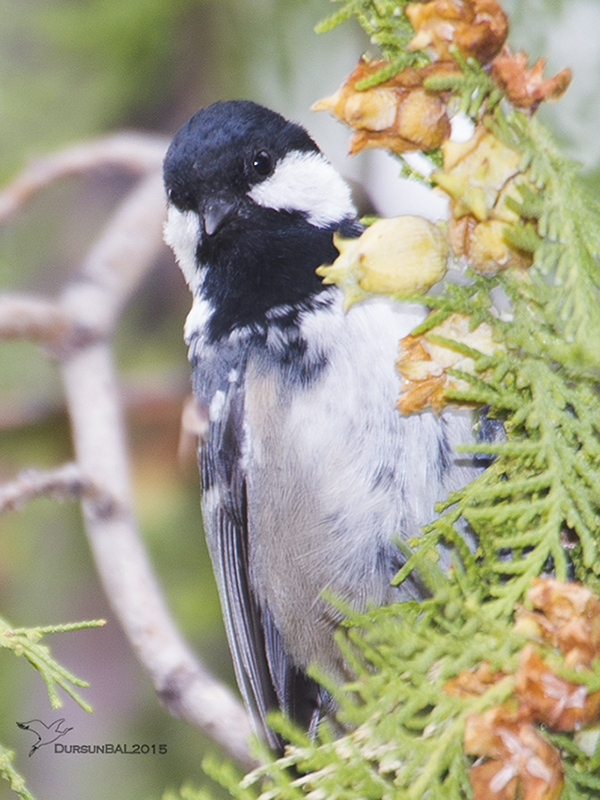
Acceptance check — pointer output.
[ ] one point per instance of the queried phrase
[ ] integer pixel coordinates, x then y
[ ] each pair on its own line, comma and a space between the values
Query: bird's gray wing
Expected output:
266, 678
226, 527
300, 697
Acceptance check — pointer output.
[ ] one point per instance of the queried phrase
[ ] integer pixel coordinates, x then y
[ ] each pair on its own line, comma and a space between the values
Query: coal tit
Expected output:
310, 474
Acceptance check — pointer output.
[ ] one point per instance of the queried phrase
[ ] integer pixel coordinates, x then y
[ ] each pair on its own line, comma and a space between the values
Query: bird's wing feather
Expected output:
299, 696
261, 665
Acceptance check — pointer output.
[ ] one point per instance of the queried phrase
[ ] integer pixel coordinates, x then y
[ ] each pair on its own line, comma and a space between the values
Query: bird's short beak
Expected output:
216, 213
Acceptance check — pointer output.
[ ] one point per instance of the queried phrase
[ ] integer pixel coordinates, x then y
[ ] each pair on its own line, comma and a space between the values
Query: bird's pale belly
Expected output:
329, 491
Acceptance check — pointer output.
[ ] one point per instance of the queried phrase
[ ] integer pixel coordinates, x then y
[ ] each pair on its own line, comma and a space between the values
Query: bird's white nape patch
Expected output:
182, 234
306, 182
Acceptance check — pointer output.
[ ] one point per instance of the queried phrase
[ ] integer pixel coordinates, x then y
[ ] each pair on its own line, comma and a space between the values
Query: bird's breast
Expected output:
327, 472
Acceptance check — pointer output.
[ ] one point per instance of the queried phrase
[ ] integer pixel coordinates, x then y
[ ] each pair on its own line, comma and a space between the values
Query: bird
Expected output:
310, 475
46, 734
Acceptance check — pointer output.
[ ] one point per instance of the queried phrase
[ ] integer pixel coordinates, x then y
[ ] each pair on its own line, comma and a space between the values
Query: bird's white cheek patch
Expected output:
306, 182
182, 234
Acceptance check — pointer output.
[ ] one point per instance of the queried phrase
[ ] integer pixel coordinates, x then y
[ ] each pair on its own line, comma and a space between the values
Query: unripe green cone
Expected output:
401, 255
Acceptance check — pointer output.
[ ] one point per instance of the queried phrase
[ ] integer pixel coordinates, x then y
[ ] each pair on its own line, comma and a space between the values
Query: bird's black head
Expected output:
252, 208
225, 149
253, 205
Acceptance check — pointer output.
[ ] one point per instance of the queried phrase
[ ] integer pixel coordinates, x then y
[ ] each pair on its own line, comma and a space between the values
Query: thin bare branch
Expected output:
63, 483
134, 152
183, 684
91, 303
34, 318
158, 400
109, 274
119, 258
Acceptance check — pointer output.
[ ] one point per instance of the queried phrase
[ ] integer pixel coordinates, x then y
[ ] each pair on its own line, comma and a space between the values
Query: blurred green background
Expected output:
73, 69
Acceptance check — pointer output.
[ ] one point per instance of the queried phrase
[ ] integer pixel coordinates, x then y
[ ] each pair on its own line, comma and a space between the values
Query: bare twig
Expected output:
91, 303
131, 151
62, 483
114, 266
33, 318
158, 400
183, 685
89, 306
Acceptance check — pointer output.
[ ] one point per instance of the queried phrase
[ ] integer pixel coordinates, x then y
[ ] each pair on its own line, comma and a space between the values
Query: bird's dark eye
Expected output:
262, 163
